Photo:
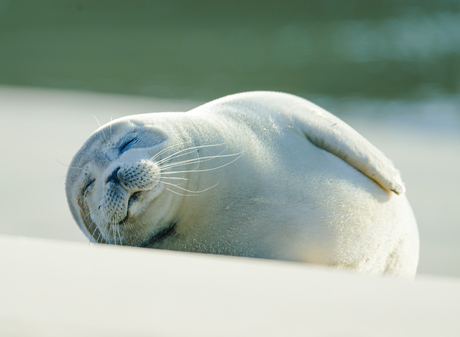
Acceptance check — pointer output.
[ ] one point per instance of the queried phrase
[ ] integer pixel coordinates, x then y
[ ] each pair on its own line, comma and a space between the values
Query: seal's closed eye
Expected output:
88, 186
127, 145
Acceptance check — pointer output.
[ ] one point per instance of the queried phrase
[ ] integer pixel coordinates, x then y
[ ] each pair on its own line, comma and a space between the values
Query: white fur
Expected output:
258, 174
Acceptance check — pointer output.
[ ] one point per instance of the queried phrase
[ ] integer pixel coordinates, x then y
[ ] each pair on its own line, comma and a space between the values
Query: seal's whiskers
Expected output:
190, 191
166, 149
105, 137
204, 170
175, 178
198, 160
94, 208
94, 231
176, 154
119, 235
183, 195
114, 232
72, 167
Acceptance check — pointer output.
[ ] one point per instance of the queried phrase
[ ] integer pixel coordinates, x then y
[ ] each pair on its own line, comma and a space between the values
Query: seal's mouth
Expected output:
159, 236
131, 200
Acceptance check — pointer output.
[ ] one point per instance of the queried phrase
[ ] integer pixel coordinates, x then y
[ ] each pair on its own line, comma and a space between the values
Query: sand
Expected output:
58, 288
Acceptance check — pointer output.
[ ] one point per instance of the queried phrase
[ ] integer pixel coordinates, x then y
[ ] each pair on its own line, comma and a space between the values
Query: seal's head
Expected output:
115, 178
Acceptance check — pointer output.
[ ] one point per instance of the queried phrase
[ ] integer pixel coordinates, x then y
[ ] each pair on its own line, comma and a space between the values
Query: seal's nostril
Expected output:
113, 177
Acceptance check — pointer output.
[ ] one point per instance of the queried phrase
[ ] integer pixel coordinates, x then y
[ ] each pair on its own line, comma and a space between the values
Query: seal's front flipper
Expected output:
333, 135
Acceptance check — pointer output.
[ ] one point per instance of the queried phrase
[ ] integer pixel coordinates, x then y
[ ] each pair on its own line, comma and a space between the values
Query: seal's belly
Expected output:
302, 210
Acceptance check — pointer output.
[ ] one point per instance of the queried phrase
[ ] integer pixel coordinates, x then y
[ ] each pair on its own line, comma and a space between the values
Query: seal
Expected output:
258, 174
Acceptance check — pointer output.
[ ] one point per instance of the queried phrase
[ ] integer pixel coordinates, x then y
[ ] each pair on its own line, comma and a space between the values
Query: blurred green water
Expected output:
205, 49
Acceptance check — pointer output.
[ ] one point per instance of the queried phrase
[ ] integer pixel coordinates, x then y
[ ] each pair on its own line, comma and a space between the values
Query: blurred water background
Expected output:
390, 68
204, 49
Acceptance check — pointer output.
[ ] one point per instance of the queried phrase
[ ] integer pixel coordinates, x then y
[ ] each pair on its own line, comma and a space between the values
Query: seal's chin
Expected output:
159, 235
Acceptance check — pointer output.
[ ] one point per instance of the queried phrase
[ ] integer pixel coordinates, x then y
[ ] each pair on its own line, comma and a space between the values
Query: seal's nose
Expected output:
114, 177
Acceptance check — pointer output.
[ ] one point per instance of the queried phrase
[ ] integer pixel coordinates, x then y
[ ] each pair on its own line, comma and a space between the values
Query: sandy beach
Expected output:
42, 129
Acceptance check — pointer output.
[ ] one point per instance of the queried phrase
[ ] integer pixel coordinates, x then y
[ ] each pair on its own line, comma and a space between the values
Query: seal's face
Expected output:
114, 179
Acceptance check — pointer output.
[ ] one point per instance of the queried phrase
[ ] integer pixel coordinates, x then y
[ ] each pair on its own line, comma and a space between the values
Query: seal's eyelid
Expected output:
85, 189
127, 145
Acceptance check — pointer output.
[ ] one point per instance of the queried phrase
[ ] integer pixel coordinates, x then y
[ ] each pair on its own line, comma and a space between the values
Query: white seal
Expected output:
258, 174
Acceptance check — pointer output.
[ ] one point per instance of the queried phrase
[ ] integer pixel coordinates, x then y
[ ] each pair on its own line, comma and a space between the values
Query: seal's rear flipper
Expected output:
333, 135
